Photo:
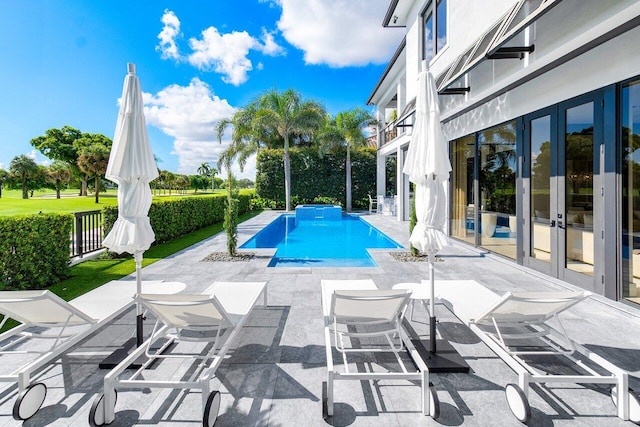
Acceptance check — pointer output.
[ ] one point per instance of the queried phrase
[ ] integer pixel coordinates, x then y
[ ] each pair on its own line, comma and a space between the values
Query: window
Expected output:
630, 135
434, 28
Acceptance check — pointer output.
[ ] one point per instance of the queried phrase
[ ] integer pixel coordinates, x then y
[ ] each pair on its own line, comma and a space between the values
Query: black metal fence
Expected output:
87, 233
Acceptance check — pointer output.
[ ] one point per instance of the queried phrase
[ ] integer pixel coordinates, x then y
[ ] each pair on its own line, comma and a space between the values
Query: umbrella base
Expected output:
121, 353
445, 359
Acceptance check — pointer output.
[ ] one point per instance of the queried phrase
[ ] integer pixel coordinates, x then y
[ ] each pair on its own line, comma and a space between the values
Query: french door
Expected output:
562, 190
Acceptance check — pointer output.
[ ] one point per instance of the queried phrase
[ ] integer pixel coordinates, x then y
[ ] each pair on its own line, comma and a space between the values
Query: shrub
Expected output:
413, 220
323, 200
231, 223
34, 250
313, 176
173, 218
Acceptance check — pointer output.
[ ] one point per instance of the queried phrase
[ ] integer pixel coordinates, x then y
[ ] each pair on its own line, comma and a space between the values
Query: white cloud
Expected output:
269, 46
339, 33
224, 53
189, 114
168, 35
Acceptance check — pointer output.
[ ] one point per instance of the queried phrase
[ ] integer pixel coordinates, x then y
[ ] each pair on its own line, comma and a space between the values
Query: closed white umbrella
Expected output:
132, 166
428, 167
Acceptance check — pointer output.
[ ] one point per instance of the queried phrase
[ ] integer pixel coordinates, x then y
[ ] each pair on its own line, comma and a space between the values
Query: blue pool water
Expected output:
336, 242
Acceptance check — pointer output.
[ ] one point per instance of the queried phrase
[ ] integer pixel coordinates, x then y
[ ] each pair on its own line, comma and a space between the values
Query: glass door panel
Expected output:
578, 185
497, 180
540, 189
630, 133
463, 222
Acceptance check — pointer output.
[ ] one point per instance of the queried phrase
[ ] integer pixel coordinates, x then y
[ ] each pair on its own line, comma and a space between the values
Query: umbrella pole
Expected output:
139, 318
432, 303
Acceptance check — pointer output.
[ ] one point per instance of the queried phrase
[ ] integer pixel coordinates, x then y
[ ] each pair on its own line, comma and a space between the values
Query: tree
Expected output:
94, 150
345, 130
60, 144
230, 223
4, 177
273, 118
212, 174
23, 167
204, 170
58, 174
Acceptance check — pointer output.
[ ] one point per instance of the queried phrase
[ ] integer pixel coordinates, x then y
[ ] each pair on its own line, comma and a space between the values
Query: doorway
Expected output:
562, 190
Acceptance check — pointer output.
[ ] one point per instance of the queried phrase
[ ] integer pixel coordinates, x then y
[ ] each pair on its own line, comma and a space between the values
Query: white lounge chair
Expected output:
49, 326
215, 316
355, 309
373, 204
515, 326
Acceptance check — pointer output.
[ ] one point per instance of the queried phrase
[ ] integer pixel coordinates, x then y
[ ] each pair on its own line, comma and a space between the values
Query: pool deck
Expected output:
274, 373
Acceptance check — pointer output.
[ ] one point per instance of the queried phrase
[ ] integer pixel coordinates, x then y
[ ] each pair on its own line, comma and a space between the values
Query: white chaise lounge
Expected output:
357, 309
214, 317
516, 327
49, 326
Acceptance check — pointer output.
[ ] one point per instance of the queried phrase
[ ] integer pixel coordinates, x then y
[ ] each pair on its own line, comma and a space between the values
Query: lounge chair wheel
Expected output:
518, 403
434, 402
211, 409
96, 413
29, 401
634, 404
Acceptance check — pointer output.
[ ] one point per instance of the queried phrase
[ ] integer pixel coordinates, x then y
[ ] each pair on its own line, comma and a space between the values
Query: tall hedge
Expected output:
34, 250
173, 218
313, 176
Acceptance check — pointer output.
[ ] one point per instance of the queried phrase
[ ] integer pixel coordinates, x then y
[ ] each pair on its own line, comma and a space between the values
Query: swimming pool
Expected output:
317, 242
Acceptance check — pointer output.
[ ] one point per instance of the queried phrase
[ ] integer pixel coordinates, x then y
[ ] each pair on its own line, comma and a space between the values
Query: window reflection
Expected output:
434, 30
497, 149
540, 184
630, 132
579, 189
463, 208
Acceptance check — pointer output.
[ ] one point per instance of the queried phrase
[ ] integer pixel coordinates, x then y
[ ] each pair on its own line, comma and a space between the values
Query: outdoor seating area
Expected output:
284, 363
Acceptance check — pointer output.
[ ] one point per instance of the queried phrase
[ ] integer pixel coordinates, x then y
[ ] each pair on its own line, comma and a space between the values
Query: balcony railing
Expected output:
87, 233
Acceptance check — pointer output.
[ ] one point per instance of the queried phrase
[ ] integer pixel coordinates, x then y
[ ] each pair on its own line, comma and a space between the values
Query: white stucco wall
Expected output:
597, 68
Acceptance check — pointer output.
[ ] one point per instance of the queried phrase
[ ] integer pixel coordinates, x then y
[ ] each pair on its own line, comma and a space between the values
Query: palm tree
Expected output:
346, 130
230, 214
59, 173
204, 170
23, 167
212, 174
272, 118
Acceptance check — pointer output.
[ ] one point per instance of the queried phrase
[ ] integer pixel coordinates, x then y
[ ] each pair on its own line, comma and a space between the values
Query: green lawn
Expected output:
12, 203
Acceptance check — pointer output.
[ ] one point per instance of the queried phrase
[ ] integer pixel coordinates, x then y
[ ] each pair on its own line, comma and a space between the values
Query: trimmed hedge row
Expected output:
34, 250
314, 177
173, 218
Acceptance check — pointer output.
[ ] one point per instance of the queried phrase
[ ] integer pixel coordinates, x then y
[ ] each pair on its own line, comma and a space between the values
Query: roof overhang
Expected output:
387, 70
397, 12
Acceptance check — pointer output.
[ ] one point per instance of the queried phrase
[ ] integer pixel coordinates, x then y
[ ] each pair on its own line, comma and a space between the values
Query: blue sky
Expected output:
63, 62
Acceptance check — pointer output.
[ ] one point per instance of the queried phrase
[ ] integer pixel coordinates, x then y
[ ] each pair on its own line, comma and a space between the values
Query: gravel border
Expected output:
407, 257
225, 257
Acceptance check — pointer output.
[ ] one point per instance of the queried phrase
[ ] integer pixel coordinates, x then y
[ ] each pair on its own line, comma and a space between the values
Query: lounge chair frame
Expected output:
222, 325
500, 316
366, 291
38, 309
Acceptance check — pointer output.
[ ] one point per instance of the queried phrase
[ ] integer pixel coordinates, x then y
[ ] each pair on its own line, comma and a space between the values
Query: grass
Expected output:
89, 275
12, 203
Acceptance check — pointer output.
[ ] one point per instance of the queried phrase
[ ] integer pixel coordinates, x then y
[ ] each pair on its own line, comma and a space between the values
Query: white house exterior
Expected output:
540, 101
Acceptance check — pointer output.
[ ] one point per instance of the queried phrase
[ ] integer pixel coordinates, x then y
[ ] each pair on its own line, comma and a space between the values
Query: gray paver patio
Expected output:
275, 371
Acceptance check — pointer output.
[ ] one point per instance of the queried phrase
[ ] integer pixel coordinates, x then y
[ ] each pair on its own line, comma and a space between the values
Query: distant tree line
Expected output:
81, 158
